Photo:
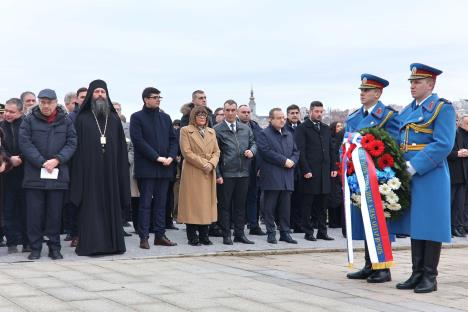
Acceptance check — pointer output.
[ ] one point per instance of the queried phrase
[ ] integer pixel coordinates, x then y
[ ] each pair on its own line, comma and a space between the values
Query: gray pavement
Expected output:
292, 282
183, 249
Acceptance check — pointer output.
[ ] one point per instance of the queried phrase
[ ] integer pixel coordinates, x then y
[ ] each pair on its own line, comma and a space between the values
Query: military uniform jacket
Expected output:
427, 133
381, 116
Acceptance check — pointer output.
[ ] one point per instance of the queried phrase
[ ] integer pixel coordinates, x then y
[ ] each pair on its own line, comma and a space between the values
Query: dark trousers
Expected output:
234, 193
458, 204
170, 204
276, 204
70, 220
135, 204
153, 194
314, 206
15, 214
296, 202
192, 231
251, 205
44, 217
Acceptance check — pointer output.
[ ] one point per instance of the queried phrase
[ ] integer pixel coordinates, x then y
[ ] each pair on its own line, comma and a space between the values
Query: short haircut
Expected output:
271, 114
148, 91
194, 93
23, 95
230, 102
82, 89
243, 105
315, 104
68, 97
17, 102
292, 107
195, 111
217, 110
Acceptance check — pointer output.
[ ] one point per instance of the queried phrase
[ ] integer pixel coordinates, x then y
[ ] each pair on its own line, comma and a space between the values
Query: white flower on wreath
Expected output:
394, 183
387, 214
391, 198
394, 207
384, 189
356, 199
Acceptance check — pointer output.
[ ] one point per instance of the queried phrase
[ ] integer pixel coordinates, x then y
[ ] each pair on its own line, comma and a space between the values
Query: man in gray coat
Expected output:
237, 144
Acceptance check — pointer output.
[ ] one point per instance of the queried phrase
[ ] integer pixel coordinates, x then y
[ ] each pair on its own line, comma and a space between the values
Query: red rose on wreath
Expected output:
385, 161
367, 139
350, 168
375, 148
350, 150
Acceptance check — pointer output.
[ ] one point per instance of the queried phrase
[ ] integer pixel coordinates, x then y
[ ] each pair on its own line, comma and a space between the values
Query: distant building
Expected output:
262, 120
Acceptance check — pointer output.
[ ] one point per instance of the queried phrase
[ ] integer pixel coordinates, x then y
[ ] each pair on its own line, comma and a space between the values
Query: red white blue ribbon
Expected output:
372, 212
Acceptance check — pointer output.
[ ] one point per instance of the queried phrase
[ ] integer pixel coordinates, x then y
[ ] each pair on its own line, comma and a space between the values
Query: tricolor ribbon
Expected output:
372, 212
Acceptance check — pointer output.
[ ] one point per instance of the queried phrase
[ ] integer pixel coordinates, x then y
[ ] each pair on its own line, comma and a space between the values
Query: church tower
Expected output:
252, 104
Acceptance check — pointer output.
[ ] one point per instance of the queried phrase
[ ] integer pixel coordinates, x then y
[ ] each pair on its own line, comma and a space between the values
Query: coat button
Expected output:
420, 118
414, 144
371, 122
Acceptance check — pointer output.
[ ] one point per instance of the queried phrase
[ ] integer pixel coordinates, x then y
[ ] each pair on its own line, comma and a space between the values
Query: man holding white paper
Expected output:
47, 140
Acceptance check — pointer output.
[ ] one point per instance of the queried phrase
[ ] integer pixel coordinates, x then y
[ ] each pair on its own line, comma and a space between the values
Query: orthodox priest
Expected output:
100, 175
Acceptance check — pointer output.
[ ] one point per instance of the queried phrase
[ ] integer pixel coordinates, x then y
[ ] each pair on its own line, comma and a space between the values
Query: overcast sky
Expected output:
290, 51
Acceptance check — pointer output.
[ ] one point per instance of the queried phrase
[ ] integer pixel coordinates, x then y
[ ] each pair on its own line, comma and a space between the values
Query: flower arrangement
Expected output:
393, 179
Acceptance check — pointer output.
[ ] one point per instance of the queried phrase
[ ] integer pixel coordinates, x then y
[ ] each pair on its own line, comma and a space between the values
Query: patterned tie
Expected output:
366, 113
232, 128
317, 125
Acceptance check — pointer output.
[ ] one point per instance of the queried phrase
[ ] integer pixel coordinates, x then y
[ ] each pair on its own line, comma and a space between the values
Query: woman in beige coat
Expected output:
197, 194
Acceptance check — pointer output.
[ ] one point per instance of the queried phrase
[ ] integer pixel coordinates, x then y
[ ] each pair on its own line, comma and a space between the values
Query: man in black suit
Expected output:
293, 120
317, 164
458, 165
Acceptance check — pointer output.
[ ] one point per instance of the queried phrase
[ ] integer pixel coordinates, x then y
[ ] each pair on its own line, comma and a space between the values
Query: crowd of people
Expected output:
81, 169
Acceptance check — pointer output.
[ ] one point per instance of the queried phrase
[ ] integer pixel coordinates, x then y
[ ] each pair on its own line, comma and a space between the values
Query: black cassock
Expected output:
100, 184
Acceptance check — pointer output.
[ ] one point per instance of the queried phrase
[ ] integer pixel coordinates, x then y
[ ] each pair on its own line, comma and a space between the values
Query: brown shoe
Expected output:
164, 241
144, 244
74, 242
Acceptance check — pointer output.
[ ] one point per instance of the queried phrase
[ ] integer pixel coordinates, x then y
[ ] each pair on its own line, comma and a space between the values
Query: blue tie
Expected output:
232, 127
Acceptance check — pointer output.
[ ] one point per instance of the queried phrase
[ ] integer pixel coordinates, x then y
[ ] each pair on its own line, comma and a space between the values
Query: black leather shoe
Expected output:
286, 237
68, 238
257, 231
227, 240
456, 233
401, 236
55, 255
363, 273
462, 231
310, 237
206, 241
272, 238
324, 236
194, 242
242, 239
34, 255
380, 276
412, 282
298, 230
426, 285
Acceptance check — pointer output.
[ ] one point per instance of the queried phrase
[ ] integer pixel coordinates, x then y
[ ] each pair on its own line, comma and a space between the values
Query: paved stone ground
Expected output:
183, 249
293, 282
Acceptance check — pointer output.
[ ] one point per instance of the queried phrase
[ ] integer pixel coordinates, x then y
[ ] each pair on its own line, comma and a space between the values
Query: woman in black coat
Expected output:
335, 205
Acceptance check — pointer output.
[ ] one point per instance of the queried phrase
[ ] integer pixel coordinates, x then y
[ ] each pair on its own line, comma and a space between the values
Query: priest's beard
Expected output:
100, 107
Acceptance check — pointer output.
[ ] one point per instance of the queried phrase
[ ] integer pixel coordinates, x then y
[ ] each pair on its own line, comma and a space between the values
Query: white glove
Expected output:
410, 168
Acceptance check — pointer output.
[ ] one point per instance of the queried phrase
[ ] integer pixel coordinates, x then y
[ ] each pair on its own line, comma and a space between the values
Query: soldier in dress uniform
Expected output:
373, 113
427, 133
